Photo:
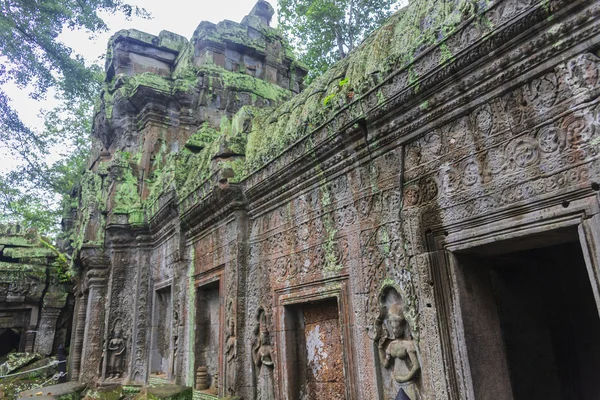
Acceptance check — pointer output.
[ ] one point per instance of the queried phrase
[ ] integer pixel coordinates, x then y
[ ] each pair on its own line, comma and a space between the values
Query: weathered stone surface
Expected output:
169, 392
34, 293
225, 223
68, 390
29, 372
15, 361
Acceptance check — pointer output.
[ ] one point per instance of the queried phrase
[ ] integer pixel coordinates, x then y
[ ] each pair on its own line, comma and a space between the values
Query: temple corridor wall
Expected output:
341, 268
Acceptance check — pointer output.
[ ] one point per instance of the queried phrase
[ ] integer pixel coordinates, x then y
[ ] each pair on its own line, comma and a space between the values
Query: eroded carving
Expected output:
116, 353
396, 346
262, 355
231, 355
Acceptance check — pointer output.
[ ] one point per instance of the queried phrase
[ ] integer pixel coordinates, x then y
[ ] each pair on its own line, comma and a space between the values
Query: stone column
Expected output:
46, 329
96, 280
30, 339
77, 336
94, 326
53, 303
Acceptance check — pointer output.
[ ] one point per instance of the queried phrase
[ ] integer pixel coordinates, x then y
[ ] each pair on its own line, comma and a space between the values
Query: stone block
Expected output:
105, 393
169, 392
62, 391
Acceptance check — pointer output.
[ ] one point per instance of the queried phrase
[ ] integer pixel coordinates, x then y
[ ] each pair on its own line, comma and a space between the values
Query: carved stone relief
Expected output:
262, 355
467, 130
396, 345
528, 159
117, 346
383, 257
230, 352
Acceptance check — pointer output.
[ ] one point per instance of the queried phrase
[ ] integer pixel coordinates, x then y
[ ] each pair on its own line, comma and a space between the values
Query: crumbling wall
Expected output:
34, 292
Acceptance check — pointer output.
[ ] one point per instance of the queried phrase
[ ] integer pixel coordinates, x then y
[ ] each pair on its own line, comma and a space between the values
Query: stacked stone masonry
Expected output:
397, 224
35, 301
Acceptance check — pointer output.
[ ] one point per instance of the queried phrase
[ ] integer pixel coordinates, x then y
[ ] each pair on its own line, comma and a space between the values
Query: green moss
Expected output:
16, 241
108, 103
327, 99
133, 34
245, 83
126, 199
380, 97
91, 204
228, 32
151, 80
103, 167
188, 169
109, 393
446, 54
186, 80
403, 38
172, 41
169, 392
202, 138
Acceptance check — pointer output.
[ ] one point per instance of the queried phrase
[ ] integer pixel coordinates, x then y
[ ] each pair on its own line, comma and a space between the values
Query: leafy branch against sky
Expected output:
324, 31
35, 61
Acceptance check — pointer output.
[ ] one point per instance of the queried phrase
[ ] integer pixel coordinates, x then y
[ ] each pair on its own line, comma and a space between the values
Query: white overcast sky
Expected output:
179, 16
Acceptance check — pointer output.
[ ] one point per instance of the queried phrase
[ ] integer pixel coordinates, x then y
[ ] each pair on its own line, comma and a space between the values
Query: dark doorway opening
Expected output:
208, 330
9, 341
160, 351
531, 324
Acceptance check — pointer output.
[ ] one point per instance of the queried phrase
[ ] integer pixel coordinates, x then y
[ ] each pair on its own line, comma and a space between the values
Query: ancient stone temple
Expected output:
424, 217
35, 307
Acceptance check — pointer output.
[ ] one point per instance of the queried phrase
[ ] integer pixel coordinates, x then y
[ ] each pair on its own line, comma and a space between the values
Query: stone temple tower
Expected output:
165, 99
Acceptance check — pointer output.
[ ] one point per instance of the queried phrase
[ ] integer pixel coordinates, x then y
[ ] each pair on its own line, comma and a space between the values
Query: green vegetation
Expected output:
242, 143
38, 62
325, 31
32, 195
396, 45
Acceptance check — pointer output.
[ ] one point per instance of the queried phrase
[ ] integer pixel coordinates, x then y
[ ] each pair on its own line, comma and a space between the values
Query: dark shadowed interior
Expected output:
531, 324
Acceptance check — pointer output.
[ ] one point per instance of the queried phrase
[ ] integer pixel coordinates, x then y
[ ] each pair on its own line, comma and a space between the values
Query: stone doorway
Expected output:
161, 350
14, 333
314, 340
10, 340
531, 324
208, 331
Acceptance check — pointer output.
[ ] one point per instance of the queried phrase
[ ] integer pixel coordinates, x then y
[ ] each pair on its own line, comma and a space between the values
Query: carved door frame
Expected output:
213, 275
158, 286
336, 288
581, 216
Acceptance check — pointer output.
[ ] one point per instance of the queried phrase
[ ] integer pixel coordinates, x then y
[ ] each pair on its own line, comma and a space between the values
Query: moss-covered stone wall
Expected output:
35, 283
214, 170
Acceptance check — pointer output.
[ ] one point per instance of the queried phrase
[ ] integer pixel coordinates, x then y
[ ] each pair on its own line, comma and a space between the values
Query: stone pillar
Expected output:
53, 303
94, 326
96, 280
77, 336
46, 329
30, 339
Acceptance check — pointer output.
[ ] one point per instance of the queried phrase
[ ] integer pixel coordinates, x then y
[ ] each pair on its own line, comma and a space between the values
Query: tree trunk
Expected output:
340, 42
351, 26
